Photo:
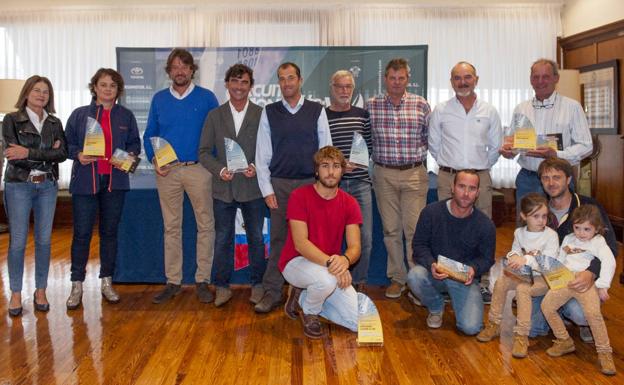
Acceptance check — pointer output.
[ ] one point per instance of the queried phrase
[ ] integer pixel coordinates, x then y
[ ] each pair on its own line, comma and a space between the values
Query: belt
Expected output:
401, 167
39, 178
453, 171
187, 163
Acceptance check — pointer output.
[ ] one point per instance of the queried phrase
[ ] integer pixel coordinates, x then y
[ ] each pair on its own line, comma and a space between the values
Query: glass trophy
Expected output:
94, 144
236, 160
163, 152
524, 136
455, 270
124, 161
522, 274
556, 275
370, 331
359, 151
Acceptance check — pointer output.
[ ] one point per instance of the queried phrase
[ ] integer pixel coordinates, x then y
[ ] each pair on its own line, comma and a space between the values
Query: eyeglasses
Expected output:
544, 105
347, 87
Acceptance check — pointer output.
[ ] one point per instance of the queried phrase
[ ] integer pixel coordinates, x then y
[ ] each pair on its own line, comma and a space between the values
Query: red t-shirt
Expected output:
326, 220
104, 166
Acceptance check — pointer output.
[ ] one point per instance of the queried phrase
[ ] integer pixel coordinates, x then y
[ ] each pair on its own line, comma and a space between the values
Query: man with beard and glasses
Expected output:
556, 176
454, 229
291, 131
344, 120
177, 115
319, 216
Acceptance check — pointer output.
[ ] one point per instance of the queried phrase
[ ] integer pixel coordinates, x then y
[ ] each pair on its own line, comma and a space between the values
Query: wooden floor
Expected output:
184, 342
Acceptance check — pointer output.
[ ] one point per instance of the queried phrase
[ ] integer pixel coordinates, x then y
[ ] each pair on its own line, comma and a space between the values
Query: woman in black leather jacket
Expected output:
35, 144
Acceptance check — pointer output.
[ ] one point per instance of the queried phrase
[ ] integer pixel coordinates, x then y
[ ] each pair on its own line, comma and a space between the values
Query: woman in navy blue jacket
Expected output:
97, 187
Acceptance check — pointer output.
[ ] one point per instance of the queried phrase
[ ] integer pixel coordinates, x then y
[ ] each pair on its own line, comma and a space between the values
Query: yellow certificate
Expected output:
525, 139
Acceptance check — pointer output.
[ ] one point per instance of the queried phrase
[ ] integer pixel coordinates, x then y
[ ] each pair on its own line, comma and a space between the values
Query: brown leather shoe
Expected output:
292, 307
311, 325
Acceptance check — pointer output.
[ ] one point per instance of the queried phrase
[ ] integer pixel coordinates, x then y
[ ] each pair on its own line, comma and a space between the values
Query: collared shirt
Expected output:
460, 139
264, 147
238, 116
399, 132
185, 94
556, 115
34, 118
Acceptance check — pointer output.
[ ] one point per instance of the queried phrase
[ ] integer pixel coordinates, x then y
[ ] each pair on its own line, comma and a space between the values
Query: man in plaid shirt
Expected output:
399, 124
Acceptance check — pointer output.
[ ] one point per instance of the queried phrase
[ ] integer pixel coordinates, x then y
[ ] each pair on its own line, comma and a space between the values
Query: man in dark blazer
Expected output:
237, 120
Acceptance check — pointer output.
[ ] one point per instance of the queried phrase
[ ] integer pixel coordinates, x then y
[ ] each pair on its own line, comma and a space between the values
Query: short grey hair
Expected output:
341, 74
551, 63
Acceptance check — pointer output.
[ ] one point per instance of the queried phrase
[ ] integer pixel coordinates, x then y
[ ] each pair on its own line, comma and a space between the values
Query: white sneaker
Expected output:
434, 320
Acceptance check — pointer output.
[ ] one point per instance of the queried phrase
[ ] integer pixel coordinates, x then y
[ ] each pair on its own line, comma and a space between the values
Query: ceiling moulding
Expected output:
257, 4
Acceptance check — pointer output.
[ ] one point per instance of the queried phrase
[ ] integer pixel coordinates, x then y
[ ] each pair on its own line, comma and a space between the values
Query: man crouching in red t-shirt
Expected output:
319, 215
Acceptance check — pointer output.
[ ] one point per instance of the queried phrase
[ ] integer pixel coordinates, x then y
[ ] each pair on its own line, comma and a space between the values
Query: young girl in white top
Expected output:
530, 240
577, 251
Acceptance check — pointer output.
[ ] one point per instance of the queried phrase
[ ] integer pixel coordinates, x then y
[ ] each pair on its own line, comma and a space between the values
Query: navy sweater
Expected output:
470, 240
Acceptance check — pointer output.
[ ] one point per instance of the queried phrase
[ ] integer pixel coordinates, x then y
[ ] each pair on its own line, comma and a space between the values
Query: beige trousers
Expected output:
401, 195
524, 292
590, 303
196, 181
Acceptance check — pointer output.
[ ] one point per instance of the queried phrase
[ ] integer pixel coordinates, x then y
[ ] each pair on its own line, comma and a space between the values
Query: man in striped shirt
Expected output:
345, 119
399, 125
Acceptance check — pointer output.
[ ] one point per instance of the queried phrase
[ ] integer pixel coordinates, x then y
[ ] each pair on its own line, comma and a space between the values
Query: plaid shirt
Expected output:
399, 132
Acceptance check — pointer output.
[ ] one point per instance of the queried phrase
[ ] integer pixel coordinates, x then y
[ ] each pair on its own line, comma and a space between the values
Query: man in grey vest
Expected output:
291, 131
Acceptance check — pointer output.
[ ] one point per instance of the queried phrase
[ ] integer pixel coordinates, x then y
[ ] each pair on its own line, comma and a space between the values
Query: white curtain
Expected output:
501, 41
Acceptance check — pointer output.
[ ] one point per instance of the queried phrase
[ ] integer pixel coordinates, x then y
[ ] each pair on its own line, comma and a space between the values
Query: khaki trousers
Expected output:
196, 181
401, 195
484, 202
590, 302
524, 293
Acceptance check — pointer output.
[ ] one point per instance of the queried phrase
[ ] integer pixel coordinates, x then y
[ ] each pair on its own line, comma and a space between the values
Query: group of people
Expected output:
298, 167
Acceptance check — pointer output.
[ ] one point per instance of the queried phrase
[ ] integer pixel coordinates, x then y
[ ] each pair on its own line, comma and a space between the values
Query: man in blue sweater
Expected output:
453, 228
177, 115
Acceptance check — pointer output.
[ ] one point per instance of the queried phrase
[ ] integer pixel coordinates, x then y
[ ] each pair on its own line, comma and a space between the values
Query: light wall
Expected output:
582, 15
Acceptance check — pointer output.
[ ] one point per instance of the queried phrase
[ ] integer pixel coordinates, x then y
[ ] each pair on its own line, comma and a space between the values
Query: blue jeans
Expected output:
85, 211
526, 182
321, 294
225, 222
572, 310
19, 199
466, 300
361, 191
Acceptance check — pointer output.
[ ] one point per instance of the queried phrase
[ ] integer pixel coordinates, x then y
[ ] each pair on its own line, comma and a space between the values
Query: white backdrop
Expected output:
501, 41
